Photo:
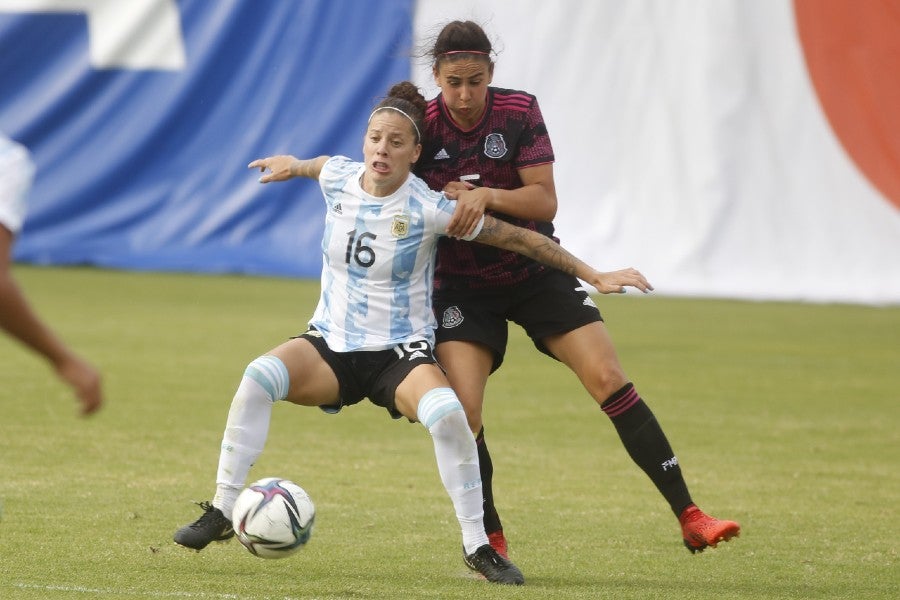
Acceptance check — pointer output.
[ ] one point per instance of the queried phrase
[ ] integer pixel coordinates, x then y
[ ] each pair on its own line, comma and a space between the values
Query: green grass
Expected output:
784, 417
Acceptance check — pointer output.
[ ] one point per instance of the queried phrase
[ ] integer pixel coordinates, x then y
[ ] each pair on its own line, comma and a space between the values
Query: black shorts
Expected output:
549, 304
371, 374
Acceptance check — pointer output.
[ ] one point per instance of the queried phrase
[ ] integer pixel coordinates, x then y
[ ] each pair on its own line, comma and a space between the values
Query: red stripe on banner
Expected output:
852, 51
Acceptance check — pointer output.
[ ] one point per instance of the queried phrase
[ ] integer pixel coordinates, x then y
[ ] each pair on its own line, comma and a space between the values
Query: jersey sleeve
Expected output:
534, 146
334, 175
16, 176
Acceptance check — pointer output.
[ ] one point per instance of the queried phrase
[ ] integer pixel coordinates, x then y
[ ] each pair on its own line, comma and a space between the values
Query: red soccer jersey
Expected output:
511, 135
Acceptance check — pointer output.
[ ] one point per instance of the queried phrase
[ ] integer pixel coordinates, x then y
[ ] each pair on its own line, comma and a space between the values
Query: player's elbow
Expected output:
548, 203
550, 207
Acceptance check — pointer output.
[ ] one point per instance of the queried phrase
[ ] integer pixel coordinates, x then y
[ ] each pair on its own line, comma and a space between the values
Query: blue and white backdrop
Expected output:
694, 140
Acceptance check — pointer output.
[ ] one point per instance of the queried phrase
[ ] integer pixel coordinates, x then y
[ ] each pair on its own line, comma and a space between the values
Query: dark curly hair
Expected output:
407, 98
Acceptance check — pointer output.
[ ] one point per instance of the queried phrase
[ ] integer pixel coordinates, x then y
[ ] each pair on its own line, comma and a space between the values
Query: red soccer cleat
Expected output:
498, 543
700, 530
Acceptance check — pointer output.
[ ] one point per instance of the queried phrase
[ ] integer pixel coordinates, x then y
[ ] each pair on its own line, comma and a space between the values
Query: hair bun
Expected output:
406, 90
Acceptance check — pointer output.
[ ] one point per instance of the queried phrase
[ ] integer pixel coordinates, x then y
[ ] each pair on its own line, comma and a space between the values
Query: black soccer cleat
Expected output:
493, 567
212, 526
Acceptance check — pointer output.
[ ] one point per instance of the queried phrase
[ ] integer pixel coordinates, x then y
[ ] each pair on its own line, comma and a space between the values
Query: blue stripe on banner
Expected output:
174, 193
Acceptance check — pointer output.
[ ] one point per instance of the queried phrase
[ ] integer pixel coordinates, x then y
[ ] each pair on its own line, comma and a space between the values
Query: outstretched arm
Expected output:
284, 166
544, 250
19, 320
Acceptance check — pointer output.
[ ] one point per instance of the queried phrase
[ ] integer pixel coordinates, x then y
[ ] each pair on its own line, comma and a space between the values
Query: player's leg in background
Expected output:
590, 353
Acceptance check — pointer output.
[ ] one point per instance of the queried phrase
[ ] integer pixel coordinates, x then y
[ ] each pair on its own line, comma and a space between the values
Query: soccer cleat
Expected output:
493, 567
212, 526
498, 543
700, 530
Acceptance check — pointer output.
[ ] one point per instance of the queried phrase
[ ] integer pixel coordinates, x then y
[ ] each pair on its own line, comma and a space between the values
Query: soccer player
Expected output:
372, 332
494, 143
17, 317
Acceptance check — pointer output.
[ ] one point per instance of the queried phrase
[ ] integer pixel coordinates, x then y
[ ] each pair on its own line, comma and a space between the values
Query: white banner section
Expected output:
690, 144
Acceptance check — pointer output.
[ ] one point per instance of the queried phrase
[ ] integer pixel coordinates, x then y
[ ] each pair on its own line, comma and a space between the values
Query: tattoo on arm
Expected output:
528, 243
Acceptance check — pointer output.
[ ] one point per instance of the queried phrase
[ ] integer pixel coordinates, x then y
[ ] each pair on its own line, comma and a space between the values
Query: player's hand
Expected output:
615, 282
84, 380
453, 188
279, 167
470, 205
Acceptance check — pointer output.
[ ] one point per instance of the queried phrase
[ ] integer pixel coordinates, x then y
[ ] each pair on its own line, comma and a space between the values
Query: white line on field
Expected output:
113, 592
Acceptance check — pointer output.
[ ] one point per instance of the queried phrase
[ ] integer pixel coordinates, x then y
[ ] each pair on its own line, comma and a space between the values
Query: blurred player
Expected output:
16, 316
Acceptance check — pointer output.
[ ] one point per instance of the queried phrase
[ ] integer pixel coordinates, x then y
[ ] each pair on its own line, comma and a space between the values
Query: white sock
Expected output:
265, 381
457, 459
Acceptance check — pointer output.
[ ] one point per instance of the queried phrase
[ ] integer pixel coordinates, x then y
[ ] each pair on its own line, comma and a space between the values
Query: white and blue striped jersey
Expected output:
16, 174
377, 260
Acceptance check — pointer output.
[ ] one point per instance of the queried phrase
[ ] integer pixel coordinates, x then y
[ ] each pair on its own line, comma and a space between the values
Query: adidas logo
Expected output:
337, 209
588, 301
442, 155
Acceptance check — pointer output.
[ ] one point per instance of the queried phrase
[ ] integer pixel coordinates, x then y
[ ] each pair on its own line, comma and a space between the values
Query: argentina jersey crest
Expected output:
400, 225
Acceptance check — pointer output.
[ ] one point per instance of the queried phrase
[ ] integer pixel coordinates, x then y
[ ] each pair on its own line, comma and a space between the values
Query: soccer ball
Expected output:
273, 517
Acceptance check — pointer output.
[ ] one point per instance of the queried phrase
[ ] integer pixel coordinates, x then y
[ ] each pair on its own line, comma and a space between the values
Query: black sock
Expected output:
491, 518
647, 445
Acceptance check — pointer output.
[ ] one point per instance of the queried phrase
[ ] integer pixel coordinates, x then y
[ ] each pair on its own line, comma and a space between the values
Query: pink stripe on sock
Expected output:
620, 405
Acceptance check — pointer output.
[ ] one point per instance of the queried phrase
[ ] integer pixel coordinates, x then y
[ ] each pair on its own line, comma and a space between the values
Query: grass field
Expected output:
784, 417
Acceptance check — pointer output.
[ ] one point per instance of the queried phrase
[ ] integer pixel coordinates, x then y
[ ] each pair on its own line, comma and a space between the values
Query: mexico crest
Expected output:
494, 145
452, 318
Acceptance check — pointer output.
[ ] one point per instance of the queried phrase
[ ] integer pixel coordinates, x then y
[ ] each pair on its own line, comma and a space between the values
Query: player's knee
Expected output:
441, 407
270, 373
601, 381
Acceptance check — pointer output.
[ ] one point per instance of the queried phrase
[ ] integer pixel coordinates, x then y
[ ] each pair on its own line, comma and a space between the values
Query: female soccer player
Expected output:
493, 142
372, 332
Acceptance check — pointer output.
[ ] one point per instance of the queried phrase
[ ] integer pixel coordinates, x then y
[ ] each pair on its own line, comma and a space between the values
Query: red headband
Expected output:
462, 52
